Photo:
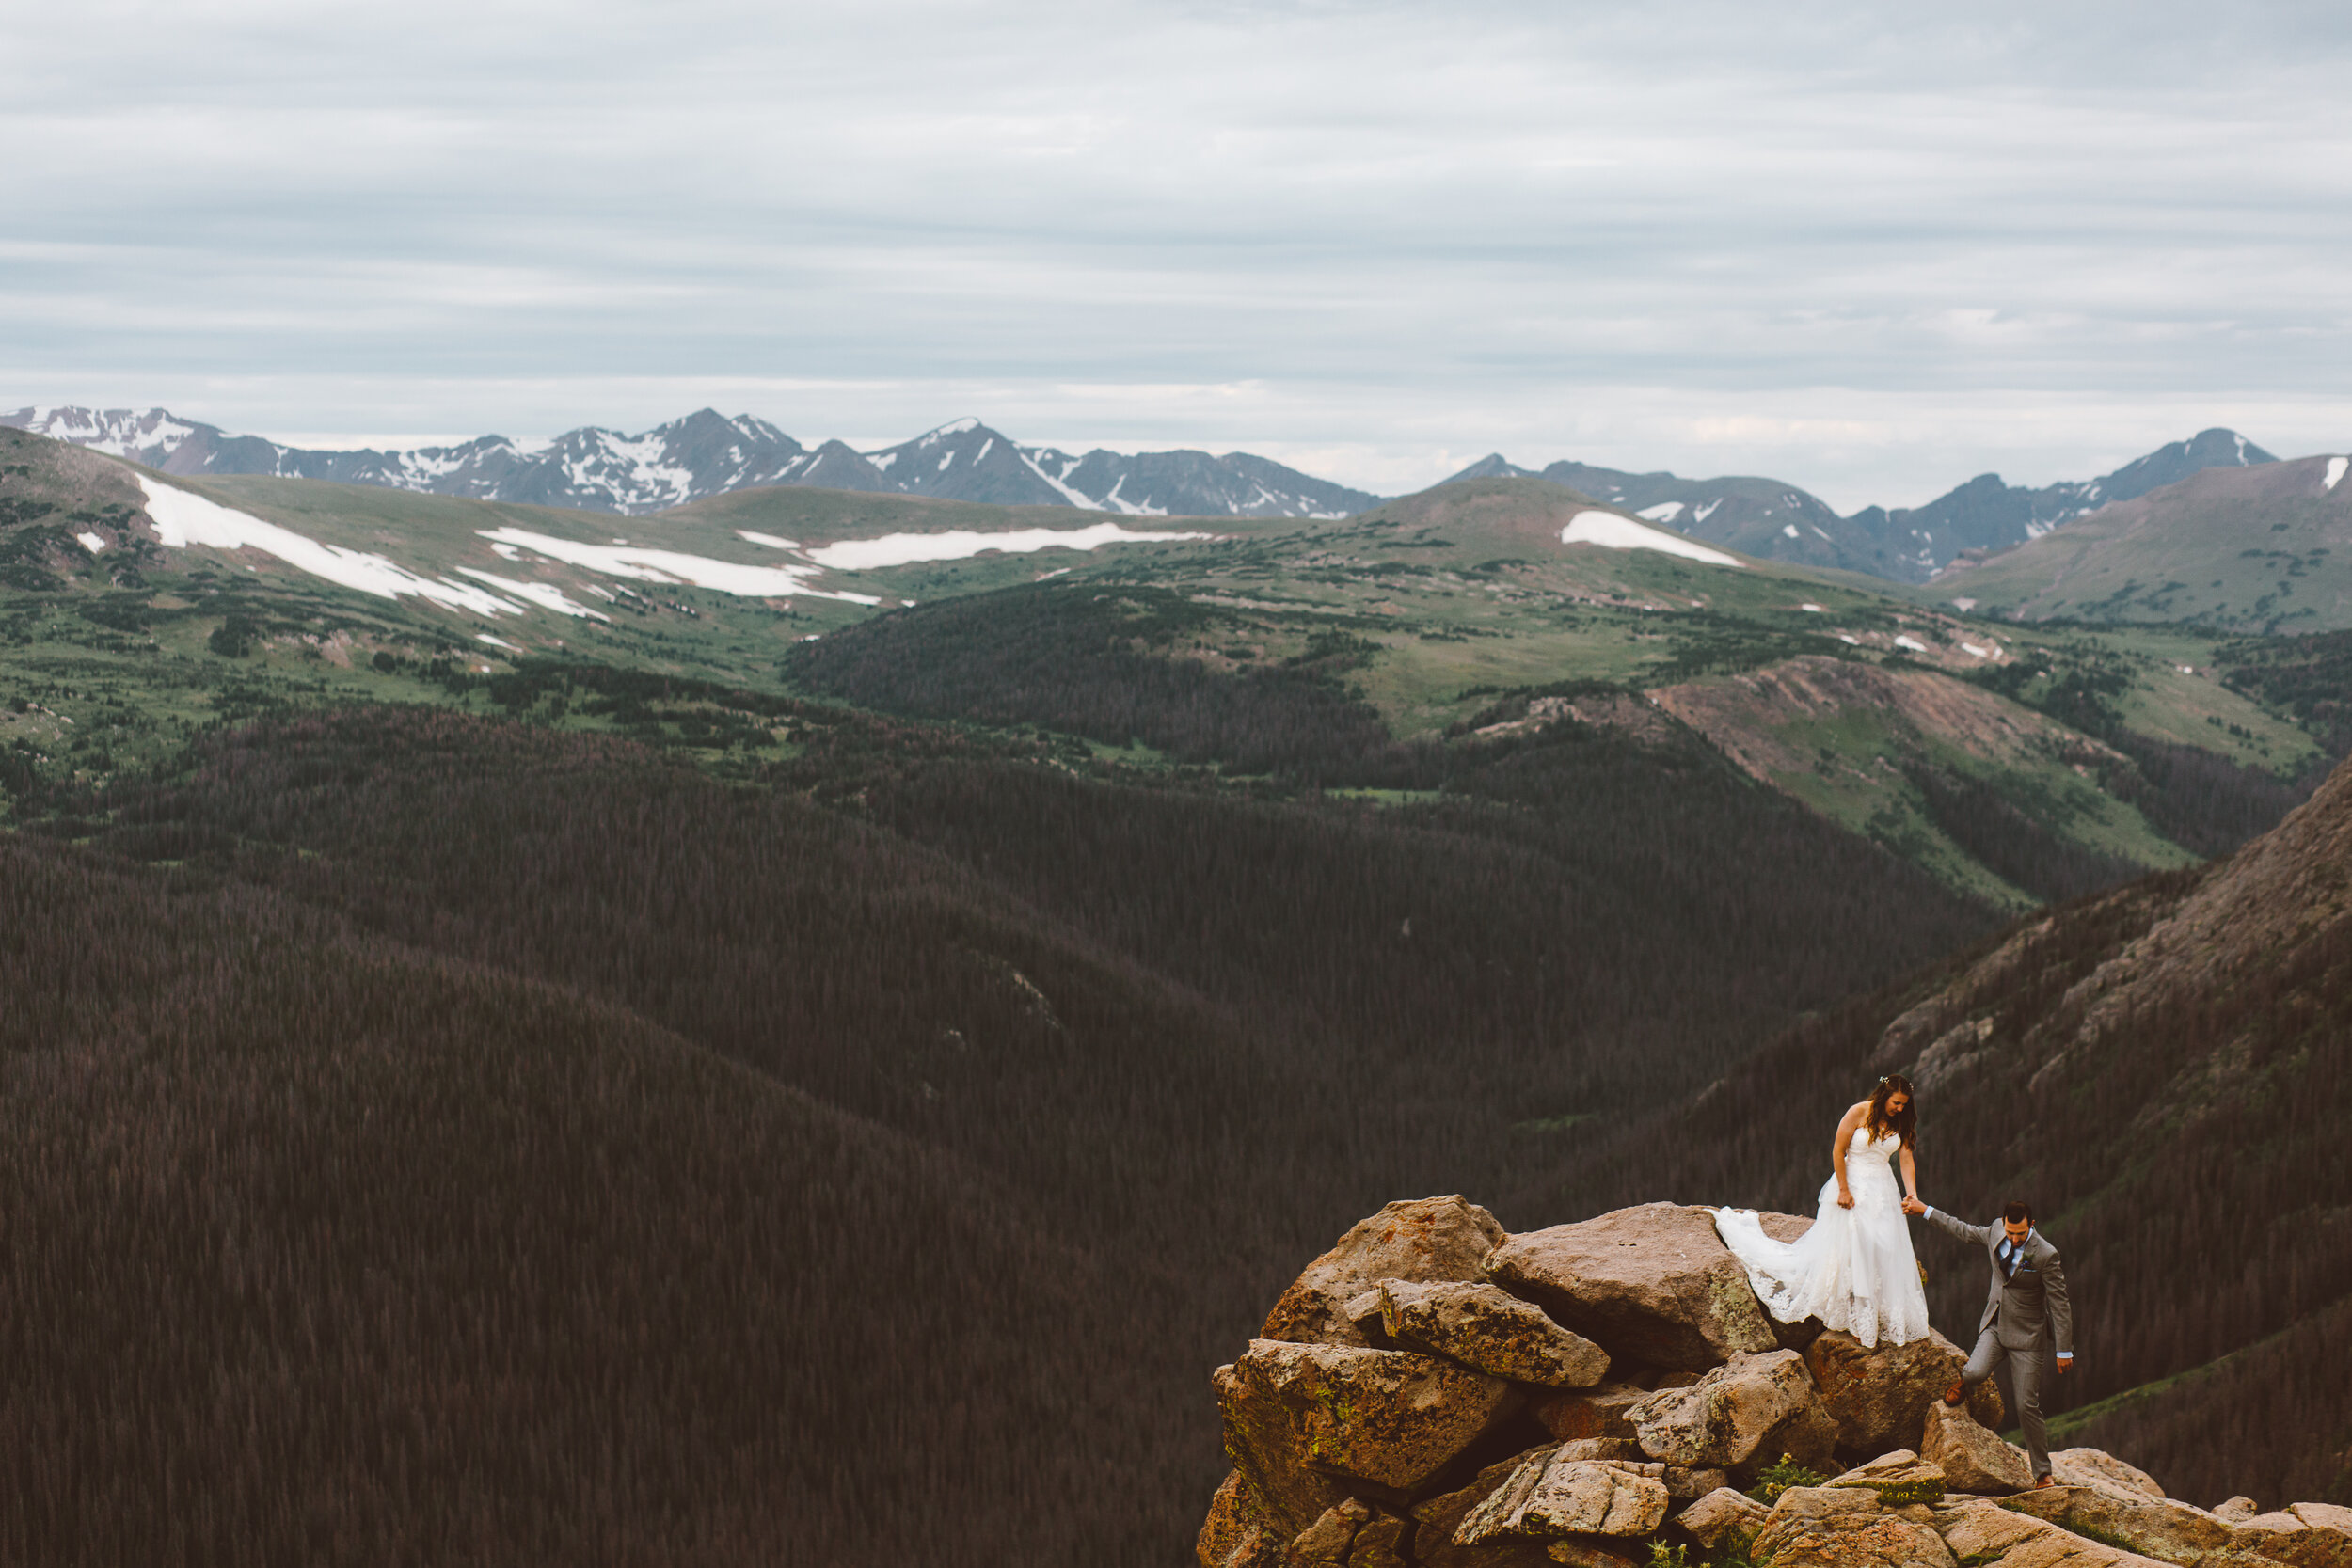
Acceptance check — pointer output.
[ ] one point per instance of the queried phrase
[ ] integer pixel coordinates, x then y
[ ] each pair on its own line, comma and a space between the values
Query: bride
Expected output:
1853, 1269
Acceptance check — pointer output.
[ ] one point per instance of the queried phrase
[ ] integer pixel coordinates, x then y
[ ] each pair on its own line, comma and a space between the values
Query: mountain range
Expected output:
1772, 518
707, 454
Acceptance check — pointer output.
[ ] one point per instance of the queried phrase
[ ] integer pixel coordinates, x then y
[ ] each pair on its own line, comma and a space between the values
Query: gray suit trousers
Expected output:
2024, 1370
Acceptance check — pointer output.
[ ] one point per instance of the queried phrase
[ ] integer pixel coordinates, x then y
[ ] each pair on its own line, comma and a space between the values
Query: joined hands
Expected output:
1912, 1206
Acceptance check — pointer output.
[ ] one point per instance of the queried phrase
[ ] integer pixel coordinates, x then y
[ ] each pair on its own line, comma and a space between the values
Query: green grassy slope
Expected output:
1460, 609
2263, 549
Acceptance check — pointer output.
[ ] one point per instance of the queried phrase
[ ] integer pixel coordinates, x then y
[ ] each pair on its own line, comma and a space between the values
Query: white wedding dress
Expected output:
1853, 1269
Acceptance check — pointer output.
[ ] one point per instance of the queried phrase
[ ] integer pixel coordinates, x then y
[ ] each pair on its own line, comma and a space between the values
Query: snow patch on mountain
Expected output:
901, 549
183, 518
1617, 533
676, 567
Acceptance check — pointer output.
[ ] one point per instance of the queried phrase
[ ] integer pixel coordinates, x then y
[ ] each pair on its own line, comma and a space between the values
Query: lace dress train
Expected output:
1853, 1269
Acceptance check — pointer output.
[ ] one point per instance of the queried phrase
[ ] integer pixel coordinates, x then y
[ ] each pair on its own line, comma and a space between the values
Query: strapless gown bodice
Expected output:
1854, 1269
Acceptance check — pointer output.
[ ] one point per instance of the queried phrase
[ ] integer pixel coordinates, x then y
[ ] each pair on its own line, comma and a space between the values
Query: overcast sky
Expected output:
1870, 249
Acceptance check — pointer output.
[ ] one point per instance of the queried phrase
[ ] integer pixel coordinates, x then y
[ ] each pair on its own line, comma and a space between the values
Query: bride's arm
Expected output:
1911, 1173
1846, 1124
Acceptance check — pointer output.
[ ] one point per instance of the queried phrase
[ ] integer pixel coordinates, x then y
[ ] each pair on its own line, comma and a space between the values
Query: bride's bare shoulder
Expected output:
1859, 1108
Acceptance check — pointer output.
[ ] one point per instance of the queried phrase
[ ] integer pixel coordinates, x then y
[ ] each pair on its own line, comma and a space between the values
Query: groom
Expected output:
2026, 1311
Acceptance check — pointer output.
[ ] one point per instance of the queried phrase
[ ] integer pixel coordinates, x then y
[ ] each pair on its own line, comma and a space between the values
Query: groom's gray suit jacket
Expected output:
2030, 1306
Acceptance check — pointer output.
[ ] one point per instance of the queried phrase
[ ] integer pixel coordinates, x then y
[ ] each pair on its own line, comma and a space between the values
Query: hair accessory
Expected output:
1881, 1080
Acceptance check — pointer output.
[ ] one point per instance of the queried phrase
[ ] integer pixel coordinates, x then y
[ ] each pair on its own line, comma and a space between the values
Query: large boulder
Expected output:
1489, 1329
1723, 1518
2153, 1527
1390, 1417
2323, 1516
1653, 1284
1423, 1239
1973, 1458
2093, 1468
1234, 1535
1752, 1408
1993, 1535
1593, 1414
1436, 1520
1880, 1396
1844, 1527
1549, 1497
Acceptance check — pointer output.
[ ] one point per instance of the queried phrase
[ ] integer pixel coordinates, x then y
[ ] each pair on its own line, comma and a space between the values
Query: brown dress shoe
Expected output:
1957, 1392
2046, 1480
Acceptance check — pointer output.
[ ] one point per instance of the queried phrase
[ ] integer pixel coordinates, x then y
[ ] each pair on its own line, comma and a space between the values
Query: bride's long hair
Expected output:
1906, 1121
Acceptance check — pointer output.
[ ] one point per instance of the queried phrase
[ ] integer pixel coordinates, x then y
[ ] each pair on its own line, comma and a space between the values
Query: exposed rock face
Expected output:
1844, 1527
1436, 1520
1423, 1240
2153, 1527
1380, 1543
2091, 1467
1492, 1330
1329, 1536
1386, 1417
1755, 1407
1897, 1479
1991, 1535
1652, 1284
2321, 1516
1549, 1497
1722, 1517
1880, 1397
2236, 1510
1232, 1535
1595, 1414
1972, 1458
2287, 1537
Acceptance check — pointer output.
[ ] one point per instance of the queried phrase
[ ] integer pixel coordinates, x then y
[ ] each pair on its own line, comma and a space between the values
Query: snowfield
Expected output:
901, 549
674, 566
1611, 531
183, 519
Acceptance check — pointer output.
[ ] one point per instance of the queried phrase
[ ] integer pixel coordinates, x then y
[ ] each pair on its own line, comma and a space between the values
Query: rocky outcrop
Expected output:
1747, 1412
1878, 1396
1653, 1284
1425, 1240
1433, 1400
1972, 1458
1492, 1330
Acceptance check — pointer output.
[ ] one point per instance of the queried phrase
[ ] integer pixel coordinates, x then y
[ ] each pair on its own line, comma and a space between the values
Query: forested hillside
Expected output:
2165, 1072
490, 1145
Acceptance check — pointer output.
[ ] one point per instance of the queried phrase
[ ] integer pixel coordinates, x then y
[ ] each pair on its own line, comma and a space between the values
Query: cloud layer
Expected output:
1868, 252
